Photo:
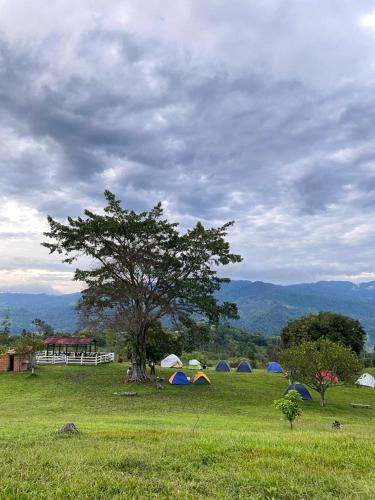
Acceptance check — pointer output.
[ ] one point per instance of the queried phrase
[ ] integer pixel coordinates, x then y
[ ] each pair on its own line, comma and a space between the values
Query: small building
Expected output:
14, 361
69, 345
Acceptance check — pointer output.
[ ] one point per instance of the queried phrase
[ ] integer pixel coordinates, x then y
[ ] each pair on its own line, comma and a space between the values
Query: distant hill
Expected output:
22, 308
263, 307
266, 307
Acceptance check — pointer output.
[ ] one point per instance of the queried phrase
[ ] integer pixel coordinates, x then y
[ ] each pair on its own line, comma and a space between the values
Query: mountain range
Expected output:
263, 307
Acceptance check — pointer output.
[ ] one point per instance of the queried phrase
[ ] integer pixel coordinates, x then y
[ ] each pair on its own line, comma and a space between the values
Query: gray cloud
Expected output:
259, 112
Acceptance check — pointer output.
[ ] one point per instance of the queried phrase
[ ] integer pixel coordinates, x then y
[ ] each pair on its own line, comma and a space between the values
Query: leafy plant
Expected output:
290, 406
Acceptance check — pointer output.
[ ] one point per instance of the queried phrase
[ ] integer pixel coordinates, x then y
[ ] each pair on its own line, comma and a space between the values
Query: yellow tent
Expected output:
201, 378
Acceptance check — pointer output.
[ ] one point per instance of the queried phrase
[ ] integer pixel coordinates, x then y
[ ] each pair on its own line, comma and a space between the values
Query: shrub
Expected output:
290, 406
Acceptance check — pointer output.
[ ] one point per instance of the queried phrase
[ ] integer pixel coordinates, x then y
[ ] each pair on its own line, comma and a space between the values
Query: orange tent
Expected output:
201, 378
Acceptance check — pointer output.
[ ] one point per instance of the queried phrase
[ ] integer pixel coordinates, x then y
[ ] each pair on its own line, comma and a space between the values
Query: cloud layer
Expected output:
261, 112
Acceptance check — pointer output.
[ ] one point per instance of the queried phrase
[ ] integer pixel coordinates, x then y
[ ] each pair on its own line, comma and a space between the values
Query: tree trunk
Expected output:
322, 400
137, 372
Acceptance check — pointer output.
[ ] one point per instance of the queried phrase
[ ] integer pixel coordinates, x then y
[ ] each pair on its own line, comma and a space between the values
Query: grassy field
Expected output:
219, 441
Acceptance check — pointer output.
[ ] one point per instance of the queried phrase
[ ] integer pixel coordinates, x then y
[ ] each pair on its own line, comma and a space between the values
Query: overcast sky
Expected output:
259, 111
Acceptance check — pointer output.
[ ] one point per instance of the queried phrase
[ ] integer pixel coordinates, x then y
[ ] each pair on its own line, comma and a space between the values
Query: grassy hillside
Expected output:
219, 441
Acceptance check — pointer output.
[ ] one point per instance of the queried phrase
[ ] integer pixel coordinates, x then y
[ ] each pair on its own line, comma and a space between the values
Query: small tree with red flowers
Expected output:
321, 365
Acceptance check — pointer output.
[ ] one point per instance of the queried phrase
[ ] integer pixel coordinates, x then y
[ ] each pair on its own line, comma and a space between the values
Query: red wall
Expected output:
20, 363
3, 363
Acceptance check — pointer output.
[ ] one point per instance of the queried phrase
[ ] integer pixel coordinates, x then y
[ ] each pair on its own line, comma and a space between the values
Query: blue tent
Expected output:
301, 389
222, 366
274, 367
179, 378
244, 367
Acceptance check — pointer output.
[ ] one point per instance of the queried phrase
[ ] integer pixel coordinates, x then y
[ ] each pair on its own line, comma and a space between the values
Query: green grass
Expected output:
220, 441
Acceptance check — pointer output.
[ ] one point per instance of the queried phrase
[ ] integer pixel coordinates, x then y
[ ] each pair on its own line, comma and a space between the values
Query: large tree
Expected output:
336, 327
143, 269
321, 365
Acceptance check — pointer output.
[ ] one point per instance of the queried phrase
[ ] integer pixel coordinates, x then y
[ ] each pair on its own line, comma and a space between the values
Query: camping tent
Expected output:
171, 361
244, 367
200, 378
194, 363
366, 380
301, 389
222, 366
178, 378
274, 367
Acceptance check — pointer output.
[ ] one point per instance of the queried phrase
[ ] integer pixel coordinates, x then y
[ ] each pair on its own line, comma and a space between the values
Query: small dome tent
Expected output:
179, 378
244, 367
194, 363
171, 361
366, 380
200, 378
301, 389
222, 366
274, 367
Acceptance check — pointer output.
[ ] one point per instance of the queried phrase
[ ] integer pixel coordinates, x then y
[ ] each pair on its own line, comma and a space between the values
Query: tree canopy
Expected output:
321, 364
143, 269
333, 326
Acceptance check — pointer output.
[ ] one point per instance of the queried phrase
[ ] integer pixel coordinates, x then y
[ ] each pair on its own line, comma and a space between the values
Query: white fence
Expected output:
63, 359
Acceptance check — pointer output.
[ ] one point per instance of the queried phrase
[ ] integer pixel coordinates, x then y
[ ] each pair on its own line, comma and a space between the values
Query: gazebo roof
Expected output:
68, 341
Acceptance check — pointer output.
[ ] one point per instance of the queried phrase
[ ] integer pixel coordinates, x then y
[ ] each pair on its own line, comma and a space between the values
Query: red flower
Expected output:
328, 376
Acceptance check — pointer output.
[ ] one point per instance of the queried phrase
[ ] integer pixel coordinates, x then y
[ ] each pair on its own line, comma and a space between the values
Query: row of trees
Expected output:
207, 342
202, 341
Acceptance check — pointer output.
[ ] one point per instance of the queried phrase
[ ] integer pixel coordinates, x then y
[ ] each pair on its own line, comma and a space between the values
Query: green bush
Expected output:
290, 406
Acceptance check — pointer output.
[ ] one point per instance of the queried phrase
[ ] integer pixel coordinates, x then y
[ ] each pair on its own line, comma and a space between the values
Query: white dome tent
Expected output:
194, 363
366, 380
171, 361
